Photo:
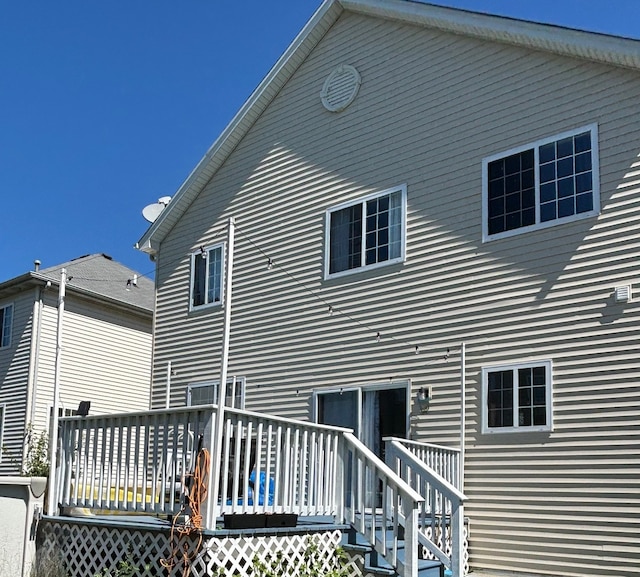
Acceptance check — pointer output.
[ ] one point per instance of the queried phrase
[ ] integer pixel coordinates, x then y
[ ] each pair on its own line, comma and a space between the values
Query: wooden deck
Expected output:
268, 470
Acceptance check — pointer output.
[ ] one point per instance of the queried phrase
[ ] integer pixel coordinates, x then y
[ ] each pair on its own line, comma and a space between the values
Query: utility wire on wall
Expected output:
272, 264
331, 309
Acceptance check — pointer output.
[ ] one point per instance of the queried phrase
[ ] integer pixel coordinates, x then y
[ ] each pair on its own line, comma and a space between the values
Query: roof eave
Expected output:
14, 284
604, 48
111, 301
34, 279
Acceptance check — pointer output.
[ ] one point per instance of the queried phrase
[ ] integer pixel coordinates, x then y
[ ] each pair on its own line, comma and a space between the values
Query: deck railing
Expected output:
272, 464
140, 462
132, 462
441, 514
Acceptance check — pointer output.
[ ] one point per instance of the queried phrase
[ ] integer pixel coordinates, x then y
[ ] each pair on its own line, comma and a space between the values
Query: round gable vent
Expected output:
340, 88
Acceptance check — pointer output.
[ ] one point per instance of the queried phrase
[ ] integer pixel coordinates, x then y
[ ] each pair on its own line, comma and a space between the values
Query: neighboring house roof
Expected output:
97, 276
591, 46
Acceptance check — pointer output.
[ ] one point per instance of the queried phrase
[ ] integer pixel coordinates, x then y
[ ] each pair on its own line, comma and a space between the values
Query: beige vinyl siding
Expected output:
14, 375
106, 358
430, 108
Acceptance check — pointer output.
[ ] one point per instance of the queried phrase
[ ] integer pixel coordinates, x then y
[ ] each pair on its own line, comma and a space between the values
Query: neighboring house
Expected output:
106, 347
406, 179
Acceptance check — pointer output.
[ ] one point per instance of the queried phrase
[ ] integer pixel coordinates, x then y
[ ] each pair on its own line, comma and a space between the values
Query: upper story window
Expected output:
548, 182
206, 276
517, 397
6, 322
366, 233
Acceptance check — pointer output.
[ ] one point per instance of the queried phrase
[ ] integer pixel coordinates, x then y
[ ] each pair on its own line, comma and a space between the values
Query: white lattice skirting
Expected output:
88, 548
443, 540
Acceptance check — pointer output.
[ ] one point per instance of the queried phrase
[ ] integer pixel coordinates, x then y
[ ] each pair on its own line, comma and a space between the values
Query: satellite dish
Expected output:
152, 211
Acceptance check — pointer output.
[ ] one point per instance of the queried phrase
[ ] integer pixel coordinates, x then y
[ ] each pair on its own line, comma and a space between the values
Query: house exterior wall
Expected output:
14, 376
106, 359
431, 106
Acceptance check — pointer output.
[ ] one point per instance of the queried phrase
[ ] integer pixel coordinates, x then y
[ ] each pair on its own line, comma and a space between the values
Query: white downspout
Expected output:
34, 355
167, 398
463, 393
53, 442
216, 442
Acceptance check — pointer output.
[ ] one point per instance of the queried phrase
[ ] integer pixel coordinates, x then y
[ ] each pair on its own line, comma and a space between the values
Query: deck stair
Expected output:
373, 564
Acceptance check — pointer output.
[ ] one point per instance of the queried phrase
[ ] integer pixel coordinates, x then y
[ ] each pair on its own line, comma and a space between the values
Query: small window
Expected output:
62, 412
367, 233
6, 321
206, 393
517, 397
548, 182
206, 276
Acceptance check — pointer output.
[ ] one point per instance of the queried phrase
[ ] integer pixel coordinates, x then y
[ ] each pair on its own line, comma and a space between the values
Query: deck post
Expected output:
209, 511
410, 538
339, 487
457, 540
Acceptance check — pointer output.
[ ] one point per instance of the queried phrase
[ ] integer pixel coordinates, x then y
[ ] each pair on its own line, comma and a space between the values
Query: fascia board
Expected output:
603, 48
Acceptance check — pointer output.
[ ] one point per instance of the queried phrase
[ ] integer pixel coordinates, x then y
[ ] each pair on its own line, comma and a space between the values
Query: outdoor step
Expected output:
381, 571
359, 549
377, 565
431, 571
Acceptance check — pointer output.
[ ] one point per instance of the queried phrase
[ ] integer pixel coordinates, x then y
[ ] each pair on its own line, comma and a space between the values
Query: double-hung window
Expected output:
517, 397
6, 322
366, 233
548, 182
207, 266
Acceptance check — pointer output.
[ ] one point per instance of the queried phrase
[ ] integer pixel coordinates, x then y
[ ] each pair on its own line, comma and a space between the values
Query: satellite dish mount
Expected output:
152, 211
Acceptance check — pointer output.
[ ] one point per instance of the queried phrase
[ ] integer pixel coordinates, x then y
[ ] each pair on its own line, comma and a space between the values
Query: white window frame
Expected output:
200, 253
315, 404
239, 382
548, 366
360, 390
402, 189
535, 146
3, 414
9, 329
62, 412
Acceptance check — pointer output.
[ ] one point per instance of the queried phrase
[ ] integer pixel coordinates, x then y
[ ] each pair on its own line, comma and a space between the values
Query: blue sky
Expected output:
106, 107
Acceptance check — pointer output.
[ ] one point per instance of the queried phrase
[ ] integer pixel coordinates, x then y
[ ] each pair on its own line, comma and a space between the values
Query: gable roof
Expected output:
596, 47
96, 276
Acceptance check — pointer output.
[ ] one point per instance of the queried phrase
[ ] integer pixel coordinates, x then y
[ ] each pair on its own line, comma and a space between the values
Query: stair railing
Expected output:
443, 460
441, 518
381, 506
